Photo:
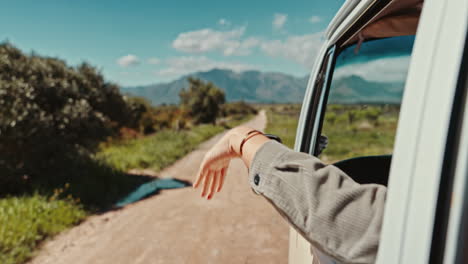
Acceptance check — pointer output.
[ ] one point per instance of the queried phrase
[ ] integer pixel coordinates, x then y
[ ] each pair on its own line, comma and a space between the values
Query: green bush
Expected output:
149, 119
48, 108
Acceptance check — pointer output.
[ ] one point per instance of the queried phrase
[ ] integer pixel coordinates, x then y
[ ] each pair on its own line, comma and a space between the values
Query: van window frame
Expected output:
323, 106
314, 115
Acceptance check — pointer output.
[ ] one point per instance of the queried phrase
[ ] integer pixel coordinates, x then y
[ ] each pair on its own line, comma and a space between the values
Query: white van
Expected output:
408, 60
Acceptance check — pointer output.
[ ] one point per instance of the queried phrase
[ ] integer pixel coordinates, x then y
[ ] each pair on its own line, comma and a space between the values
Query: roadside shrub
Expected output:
139, 106
126, 133
148, 119
164, 116
48, 108
237, 108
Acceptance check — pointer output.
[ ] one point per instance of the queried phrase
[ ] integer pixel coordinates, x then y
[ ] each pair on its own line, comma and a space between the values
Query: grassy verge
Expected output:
90, 185
156, 151
26, 220
162, 149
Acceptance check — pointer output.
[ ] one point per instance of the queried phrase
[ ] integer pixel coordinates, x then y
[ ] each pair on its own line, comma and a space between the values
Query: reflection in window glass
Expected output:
364, 98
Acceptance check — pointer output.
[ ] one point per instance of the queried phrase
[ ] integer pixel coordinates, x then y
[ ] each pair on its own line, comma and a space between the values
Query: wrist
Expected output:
236, 136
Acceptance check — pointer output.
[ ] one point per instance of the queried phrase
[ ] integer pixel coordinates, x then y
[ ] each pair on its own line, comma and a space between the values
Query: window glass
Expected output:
364, 98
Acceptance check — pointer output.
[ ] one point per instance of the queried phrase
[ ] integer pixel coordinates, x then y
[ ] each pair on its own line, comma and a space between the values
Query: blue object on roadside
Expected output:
150, 188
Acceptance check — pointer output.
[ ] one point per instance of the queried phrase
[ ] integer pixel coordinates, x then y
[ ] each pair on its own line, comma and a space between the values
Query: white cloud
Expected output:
128, 60
315, 19
279, 20
153, 61
224, 22
301, 49
392, 69
229, 43
240, 48
188, 64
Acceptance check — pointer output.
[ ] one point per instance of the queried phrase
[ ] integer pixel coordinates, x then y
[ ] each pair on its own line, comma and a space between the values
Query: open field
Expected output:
282, 121
352, 130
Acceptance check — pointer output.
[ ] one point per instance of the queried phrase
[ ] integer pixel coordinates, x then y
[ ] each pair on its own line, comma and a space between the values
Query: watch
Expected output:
273, 137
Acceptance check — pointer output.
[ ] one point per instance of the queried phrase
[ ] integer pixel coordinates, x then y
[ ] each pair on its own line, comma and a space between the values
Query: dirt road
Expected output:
177, 226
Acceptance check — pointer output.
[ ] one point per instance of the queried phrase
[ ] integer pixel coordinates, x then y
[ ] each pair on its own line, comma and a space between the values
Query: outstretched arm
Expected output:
335, 214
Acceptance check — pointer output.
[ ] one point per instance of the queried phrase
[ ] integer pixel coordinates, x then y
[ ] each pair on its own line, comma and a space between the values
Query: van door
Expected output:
450, 232
423, 122
355, 110
417, 169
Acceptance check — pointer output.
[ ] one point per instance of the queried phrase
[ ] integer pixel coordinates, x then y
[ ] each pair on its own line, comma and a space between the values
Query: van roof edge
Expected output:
342, 14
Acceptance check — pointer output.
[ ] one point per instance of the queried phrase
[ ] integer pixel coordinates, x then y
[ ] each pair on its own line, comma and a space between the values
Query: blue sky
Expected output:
143, 42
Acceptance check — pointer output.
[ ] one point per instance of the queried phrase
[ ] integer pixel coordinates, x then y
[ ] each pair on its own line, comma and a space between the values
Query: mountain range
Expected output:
270, 87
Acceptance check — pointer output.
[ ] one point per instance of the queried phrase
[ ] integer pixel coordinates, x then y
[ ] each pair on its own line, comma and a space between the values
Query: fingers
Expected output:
221, 179
202, 172
218, 157
198, 179
211, 178
212, 182
207, 182
215, 179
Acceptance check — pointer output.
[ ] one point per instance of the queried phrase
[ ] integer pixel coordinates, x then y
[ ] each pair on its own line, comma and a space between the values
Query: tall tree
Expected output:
202, 101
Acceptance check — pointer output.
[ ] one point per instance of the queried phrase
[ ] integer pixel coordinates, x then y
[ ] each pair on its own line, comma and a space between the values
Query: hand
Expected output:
216, 161
214, 166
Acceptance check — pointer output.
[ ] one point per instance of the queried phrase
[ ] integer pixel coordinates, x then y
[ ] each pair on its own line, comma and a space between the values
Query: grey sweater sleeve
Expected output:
335, 214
